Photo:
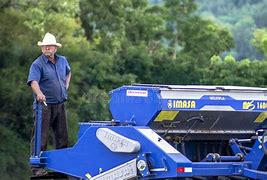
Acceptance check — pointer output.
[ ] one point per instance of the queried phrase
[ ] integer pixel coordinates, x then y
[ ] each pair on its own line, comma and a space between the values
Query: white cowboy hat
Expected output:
49, 39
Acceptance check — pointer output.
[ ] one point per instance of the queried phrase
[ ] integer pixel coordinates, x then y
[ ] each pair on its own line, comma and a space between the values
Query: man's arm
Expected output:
68, 80
36, 89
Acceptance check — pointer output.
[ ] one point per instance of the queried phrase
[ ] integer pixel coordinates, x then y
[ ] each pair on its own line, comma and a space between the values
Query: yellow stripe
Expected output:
166, 115
261, 117
88, 175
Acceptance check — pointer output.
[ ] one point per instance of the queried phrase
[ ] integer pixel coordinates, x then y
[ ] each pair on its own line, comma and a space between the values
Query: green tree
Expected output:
13, 157
260, 40
192, 42
231, 72
242, 17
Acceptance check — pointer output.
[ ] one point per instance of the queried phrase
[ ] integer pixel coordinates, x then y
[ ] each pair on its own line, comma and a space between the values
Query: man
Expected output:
49, 78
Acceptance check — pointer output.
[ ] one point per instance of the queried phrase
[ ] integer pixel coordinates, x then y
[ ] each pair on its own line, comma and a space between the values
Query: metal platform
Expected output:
53, 176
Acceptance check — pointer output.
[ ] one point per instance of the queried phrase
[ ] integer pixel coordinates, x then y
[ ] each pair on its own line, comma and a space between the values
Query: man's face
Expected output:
49, 50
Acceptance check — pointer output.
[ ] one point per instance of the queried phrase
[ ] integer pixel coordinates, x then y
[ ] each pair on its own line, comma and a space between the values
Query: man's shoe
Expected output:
39, 172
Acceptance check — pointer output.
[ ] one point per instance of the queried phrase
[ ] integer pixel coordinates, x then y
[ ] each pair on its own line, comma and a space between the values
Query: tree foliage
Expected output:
242, 17
228, 71
13, 153
260, 40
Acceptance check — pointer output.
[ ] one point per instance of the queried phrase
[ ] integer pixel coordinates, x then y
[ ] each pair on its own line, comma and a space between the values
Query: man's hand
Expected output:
36, 89
40, 97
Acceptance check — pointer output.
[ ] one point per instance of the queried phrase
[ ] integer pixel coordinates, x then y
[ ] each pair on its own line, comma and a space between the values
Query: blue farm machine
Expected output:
169, 132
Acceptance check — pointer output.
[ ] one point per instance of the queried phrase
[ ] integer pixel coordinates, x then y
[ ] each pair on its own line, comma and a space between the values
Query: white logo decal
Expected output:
139, 93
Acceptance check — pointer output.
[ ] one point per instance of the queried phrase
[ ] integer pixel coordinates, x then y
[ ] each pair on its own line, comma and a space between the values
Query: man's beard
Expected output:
49, 54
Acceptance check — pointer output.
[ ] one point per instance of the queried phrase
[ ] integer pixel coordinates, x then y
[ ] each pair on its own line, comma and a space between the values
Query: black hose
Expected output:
196, 118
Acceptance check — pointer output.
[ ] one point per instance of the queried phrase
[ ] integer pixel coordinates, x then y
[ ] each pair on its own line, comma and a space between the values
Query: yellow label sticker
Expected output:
261, 117
166, 115
88, 176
